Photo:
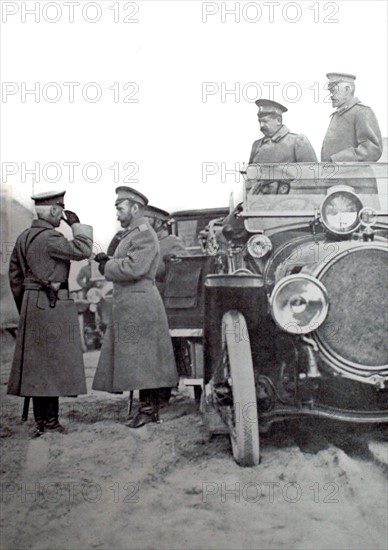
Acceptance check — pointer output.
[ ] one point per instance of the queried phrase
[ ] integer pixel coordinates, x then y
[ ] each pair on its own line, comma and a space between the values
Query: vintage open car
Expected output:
287, 306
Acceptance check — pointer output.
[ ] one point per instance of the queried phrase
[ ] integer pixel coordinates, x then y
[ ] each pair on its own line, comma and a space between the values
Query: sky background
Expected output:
170, 53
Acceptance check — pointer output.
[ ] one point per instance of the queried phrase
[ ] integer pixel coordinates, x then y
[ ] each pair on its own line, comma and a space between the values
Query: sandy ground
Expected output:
101, 485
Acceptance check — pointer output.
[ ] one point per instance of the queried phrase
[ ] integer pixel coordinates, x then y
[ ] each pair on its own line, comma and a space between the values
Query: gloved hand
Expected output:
168, 257
71, 217
101, 267
101, 258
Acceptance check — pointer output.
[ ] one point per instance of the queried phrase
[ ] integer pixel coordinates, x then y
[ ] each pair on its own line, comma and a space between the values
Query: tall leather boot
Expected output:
132, 412
39, 415
52, 409
148, 410
164, 396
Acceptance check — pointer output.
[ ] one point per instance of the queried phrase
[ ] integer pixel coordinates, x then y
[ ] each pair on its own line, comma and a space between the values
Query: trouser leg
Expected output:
46, 414
39, 409
52, 409
164, 395
143, 396
155, 399
38, 404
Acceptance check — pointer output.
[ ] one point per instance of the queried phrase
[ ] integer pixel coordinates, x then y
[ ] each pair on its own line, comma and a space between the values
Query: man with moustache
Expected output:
278, 144
137, 352
353, 134
48, 360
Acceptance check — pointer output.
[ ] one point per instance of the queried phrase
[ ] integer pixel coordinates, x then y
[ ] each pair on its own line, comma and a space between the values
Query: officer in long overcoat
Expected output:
48, 360
353, 134
278, 143
137, 352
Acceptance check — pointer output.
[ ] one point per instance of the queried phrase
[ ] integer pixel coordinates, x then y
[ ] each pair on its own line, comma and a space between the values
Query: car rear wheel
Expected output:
245, 432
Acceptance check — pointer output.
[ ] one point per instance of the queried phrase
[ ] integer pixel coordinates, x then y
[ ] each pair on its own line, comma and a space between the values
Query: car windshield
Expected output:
294, 190
188, 225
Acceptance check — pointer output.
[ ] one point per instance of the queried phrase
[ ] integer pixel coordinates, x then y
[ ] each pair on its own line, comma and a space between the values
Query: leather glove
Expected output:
101, 257
71, 217
101, 267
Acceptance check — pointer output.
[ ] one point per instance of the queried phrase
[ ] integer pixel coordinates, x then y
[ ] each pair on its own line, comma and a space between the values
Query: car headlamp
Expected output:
259, 246
340, 210
299, 304
367, 216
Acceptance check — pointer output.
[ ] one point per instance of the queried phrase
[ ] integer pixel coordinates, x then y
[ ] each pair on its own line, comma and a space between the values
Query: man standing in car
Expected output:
278, 143
137, 352
353, 134
48, 359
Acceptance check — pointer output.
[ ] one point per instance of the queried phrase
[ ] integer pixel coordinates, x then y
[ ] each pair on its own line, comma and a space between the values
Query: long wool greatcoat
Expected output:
137, 352
353, 135
48, 357
283, 146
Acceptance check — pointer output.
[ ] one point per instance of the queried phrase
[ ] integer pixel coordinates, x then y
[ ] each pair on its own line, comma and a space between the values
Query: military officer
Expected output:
137, 352
353, 134
170, 245
48, 358
278, 143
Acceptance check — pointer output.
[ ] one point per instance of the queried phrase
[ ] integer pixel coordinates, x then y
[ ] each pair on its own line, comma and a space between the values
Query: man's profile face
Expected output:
56, 215
269, 124
124, 213
339, 93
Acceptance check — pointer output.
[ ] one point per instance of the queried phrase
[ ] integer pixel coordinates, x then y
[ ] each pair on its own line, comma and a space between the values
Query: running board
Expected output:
365, 417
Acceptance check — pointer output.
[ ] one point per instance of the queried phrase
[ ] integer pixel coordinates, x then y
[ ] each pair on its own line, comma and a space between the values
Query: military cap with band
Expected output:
336, 78
49, 198
154, 212
268, 107
128, 193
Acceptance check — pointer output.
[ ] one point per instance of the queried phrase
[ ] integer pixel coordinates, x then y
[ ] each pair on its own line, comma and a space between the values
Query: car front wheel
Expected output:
239, 369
